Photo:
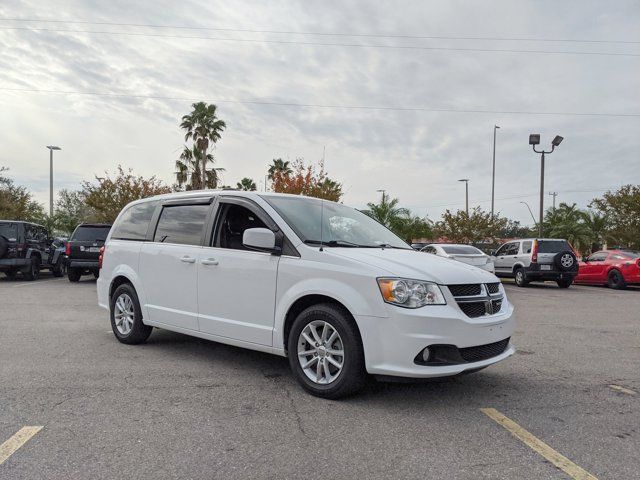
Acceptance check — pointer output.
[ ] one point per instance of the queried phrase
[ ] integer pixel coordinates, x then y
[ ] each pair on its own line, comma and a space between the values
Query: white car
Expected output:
315, 281
462, 253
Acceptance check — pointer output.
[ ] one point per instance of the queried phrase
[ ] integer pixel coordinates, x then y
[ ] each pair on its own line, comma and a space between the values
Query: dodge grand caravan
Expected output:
315, 281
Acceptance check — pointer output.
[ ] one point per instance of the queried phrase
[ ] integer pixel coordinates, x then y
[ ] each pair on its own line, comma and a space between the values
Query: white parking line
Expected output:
17, 440
622, 389
37, 282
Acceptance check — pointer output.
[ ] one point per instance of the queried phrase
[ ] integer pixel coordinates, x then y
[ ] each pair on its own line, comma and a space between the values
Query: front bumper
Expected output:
392, 343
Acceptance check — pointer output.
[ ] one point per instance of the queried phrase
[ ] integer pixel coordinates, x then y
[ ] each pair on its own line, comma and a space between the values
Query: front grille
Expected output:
483, 352
465, 290
473, 309
493, 288
496, 305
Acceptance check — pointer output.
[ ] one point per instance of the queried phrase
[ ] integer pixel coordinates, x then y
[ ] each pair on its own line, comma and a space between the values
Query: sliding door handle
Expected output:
187, 259
209, 261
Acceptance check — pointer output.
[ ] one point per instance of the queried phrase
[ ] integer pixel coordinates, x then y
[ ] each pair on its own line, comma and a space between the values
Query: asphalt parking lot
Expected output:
180, 407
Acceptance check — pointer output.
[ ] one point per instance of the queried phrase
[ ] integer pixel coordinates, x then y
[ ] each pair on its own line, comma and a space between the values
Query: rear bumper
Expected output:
535, 273
83, 263
7, 263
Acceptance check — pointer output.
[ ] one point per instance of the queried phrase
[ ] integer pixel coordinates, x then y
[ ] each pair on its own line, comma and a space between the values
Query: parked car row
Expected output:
548, 259
27, 248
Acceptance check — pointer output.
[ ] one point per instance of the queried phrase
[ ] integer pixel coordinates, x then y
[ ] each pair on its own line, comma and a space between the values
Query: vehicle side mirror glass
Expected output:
259, 238
492, 253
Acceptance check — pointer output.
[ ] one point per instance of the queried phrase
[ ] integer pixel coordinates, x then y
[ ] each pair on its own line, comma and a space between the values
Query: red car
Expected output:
615, 268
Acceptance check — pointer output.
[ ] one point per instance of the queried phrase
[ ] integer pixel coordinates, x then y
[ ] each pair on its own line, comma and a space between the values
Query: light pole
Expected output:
51, 149
532, 217
493, 174
383, 191
554, 195
466, 193
534, 139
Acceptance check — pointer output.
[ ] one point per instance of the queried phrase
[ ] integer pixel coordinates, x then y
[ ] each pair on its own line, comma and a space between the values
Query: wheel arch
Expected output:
517, 266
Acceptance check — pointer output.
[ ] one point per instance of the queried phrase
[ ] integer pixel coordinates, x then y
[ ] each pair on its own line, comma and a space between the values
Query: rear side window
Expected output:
134, 223
9, 231
461, 250
526, 246
553, 246
182, 224
90, 234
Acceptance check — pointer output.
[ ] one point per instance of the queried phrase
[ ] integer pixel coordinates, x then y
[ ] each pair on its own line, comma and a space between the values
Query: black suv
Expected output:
27, 248
83, 250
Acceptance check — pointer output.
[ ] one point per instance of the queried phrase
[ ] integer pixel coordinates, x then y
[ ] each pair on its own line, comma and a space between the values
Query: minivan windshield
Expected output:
342, 226
9, 231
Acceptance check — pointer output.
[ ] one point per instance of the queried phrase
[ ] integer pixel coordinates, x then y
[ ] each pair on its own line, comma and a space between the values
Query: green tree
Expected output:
247, 184
477, 226
107, 196
598, 226
203, 127
16, 202
280, 166
568, 222
71, 210
387, 212
622, 211
188, 170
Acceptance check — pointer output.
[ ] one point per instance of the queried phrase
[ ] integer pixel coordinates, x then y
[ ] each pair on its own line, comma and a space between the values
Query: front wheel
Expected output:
564, 282
616, 280
325, 352
74, 274
32, 271
126, 316
58, 269
11, 273
521, 278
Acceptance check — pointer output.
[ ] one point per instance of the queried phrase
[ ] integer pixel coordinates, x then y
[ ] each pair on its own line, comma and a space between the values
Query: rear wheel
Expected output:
126, 316
521, 277
325, 352
616, 280
58, 269
74, 274
11, 273
32, 271
564, 282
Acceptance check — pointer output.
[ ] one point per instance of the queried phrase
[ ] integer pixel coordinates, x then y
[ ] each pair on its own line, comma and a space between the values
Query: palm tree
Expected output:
568, 222
280, 166
387, 211
188, 170
598, 226
247, 184
203, 127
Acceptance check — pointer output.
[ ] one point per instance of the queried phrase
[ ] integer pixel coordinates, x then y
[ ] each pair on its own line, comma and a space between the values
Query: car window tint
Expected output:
526, 246
631, 254
9, 231
90, 234
502, 250
134, 222
182, 224
598, 257
553, 246
231, 223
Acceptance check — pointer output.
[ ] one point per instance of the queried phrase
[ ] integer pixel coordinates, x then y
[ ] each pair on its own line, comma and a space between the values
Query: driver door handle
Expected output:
209, 261
187, 259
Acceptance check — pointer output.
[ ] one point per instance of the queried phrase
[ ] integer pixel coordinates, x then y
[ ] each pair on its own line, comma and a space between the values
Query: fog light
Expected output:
425, 354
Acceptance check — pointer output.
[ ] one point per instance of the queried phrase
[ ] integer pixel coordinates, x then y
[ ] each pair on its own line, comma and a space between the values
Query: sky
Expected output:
401, 96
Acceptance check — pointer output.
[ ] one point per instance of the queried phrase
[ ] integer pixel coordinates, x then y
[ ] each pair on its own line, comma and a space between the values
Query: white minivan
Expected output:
315, 281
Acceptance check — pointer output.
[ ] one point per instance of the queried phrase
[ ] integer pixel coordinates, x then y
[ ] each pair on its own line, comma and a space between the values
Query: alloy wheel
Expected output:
124, 314
320, 352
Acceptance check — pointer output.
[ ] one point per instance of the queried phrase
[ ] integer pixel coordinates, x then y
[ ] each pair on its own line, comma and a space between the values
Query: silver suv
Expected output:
537, 259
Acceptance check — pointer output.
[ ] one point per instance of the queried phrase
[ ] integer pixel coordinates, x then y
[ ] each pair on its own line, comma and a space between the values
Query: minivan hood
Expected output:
416, 265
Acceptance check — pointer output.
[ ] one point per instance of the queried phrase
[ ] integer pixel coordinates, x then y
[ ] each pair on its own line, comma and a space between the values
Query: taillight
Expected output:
534, 251
67, 249
101, 257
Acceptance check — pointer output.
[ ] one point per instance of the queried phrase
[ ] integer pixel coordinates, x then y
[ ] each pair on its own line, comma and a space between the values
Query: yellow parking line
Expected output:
18, 439
537, 445
622, 389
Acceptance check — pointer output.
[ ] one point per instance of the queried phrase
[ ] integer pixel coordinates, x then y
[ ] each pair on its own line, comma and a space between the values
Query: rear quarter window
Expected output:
134, 222
9, 231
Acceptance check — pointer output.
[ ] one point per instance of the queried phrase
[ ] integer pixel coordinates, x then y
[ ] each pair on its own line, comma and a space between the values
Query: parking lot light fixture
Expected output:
534, 139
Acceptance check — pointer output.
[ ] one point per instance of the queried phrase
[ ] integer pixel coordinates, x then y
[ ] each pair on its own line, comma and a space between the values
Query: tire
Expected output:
615, 280
128, 328
74, 274
564, 282
11, 273
96, 274
58, 269
32, 271
565, 261
520, 277
4, 245
342, 382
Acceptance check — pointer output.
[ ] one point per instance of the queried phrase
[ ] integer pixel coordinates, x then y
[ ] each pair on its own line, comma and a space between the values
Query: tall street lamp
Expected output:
534, 139
493, 175
51, 149
466, 195
529, 208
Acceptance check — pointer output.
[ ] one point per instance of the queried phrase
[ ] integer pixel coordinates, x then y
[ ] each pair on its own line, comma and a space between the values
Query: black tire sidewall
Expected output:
523, 283
74, 275
558, 262
615, 279
32, 272
353, 372
139, 332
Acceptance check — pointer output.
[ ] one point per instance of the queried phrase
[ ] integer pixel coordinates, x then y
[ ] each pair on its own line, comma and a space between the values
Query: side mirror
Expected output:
492, 253
259, 238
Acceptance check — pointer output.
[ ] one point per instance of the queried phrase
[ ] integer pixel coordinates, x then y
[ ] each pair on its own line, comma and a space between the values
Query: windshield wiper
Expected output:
338, 243
388, 245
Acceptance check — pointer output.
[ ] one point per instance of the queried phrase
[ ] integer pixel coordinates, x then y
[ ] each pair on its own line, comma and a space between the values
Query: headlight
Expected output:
410, 293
